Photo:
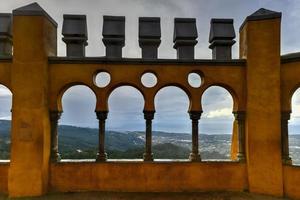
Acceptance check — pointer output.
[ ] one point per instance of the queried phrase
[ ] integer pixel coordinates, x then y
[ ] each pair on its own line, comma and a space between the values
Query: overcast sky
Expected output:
126, 104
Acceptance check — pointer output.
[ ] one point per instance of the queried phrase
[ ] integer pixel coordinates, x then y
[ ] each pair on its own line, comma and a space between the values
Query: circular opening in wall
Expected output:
102, 79
149, 80
194, 80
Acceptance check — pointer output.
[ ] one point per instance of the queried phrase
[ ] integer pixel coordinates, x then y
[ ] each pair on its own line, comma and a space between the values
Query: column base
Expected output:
148, 156
287, 161
195, 157
55, 157
241, 158
101, 157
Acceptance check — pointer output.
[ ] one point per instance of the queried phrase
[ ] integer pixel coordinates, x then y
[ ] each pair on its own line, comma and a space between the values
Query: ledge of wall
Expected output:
95, 60
4, 166
148, 176
5, 59
291, 178
291, 57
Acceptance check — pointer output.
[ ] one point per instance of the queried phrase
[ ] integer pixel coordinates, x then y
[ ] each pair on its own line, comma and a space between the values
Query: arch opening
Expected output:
216, 124
78, 125
125, 124
171, 137
5, 122
294, 129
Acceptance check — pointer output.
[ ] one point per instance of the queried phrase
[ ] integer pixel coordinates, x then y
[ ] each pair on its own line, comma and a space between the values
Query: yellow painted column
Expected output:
260, 45
34, 39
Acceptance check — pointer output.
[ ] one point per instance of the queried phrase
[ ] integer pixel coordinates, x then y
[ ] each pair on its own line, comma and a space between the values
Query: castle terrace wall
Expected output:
4, 167
291, 181
158, 176
261, 83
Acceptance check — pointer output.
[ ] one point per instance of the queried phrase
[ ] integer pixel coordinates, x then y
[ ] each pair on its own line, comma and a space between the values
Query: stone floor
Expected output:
148, 196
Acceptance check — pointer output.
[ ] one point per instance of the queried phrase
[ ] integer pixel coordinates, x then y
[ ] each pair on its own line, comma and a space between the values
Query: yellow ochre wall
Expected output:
260, 83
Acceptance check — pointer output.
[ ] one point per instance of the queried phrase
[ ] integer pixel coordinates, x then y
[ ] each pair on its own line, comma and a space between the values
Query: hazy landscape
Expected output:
82, 143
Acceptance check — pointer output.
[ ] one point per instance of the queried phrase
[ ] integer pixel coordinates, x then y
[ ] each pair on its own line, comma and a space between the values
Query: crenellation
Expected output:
184, 37
75, 35
149, 36
221, 38
5, 34
113, 33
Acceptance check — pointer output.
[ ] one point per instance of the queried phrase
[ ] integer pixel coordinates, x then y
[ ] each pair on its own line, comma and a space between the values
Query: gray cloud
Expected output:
126, 105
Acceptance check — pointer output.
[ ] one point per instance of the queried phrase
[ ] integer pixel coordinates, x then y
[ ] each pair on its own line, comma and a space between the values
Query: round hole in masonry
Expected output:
194, 80
102, 79
149, 80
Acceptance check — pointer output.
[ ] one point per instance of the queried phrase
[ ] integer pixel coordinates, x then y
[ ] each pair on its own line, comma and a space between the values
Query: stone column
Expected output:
101, 155
285, 117
240, 118
54, 117
148, 115
195, 116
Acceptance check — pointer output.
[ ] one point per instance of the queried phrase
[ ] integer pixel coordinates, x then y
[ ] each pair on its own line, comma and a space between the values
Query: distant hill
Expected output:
4, 139
78, 143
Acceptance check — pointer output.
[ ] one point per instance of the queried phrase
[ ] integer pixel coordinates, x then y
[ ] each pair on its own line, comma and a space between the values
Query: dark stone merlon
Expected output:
221, 38
113, 35
149, 36
185, 35
75, 35
5, 34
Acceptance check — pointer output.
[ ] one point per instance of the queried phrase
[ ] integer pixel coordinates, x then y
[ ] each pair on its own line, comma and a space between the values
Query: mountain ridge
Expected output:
82, 143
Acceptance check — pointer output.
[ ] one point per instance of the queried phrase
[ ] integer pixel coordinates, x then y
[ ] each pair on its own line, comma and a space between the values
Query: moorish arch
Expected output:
216, 120
70, 86
5, 121
172, 120
125, 120
293, 138
78, 110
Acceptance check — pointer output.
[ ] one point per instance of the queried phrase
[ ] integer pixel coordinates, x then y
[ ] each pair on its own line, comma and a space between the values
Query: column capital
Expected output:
148, 114
55, 115
101, 115
195, 115
285, 115
239, 115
